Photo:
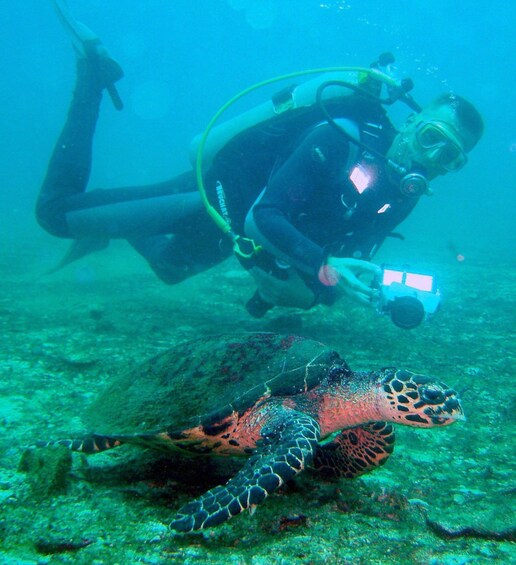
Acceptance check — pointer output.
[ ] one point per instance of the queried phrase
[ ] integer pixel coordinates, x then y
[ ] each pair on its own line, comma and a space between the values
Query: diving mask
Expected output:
441, 145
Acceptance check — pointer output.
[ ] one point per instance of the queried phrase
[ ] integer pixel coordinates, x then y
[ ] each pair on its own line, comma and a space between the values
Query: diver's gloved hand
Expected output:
345, 273
291, 292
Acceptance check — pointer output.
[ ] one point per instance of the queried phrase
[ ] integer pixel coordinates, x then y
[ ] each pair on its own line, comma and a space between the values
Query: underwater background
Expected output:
445, 496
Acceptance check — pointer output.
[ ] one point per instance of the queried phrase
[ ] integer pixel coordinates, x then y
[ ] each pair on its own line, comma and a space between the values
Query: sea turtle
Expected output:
286, 402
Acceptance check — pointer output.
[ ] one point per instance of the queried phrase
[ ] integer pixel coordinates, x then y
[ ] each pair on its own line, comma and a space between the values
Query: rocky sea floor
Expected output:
445, 497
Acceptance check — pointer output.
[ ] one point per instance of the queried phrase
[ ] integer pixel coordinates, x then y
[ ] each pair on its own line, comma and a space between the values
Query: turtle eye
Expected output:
432, 395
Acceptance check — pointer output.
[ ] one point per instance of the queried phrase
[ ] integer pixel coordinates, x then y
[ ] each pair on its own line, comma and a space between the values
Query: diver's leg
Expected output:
140, 214
129, 217
66, 210
70, 164
197, 245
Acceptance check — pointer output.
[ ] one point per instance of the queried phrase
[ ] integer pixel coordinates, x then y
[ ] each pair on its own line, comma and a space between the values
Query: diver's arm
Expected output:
314, 166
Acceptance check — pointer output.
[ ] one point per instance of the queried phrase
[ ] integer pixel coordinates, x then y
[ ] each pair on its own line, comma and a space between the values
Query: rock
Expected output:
47, 470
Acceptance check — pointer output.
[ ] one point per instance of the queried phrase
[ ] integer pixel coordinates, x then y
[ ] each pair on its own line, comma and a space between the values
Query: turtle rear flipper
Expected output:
356, 451
289, 442
94, 443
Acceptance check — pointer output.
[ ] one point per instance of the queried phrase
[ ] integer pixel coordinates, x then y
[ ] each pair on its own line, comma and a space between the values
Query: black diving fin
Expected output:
80, 248
85, 42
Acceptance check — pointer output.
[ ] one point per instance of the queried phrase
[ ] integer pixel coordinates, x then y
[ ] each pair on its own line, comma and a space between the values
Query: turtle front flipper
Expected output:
356, 451
287, 448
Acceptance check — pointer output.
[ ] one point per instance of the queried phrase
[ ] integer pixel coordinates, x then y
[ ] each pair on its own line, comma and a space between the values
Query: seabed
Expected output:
443, 498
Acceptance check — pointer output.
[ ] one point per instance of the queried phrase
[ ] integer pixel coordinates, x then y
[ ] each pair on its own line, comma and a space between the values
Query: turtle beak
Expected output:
453, 406
448, 412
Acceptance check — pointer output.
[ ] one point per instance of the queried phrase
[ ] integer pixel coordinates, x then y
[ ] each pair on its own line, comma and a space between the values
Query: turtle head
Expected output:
418, 400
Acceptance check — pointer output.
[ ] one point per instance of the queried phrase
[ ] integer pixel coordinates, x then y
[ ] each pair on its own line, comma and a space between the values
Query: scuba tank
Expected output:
292, 100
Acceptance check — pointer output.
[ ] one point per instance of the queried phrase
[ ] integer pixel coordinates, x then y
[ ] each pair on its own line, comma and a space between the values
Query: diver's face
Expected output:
430, 141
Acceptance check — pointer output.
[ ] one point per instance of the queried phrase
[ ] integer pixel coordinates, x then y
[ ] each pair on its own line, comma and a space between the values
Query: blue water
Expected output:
183, 59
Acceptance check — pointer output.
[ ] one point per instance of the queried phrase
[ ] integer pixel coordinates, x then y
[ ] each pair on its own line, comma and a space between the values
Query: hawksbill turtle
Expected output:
287, 403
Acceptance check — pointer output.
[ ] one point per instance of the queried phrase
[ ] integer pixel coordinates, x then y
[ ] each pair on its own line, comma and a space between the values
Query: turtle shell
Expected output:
204, 380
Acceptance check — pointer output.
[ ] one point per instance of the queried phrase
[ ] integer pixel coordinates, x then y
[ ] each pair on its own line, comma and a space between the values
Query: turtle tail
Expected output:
94, 443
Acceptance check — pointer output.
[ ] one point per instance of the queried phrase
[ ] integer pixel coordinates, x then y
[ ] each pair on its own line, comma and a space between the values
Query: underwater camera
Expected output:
408, 297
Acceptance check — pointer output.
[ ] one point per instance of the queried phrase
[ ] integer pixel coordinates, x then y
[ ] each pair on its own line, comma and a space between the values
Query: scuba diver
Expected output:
316, 195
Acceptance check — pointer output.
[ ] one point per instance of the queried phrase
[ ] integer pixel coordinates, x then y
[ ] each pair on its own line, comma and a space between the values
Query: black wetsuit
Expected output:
287, 187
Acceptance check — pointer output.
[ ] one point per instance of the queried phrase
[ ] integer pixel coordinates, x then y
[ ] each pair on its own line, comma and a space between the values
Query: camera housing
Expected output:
408, 297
